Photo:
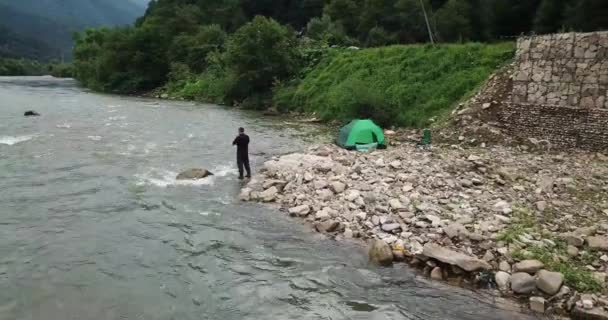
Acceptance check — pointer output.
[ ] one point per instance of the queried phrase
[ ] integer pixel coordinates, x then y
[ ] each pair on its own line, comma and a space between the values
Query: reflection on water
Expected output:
93, 224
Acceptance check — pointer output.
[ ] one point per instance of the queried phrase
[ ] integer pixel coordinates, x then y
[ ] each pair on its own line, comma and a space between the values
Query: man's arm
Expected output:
235, 140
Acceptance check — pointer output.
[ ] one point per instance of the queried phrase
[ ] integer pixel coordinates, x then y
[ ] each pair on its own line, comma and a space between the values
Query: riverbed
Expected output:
93, 224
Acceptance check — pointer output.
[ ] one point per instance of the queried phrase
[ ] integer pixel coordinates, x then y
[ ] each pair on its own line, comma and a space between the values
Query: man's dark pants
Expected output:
242, 160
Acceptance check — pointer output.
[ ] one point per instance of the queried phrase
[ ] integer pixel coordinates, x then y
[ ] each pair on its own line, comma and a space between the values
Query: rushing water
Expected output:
94, 226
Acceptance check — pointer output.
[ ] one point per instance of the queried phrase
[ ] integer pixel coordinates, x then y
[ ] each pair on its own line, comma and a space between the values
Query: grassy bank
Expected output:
406, 85
400, 85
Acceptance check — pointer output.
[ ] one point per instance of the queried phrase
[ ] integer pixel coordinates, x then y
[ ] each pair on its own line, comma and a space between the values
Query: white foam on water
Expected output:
95, 138
64, 126
117, 118
9, 140
166, 178
224, 170
207, 213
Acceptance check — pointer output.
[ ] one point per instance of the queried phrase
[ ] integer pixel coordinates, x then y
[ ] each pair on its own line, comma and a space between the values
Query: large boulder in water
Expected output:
381, 253
31, 113
194, 174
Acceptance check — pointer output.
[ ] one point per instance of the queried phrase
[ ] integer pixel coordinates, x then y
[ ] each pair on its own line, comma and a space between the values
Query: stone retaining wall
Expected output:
560, 90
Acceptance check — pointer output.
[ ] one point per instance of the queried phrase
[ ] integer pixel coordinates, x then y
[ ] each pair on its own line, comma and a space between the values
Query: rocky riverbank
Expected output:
532, 226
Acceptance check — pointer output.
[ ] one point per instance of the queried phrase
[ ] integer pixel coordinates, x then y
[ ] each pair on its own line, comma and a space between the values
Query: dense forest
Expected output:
43, 29
244, 51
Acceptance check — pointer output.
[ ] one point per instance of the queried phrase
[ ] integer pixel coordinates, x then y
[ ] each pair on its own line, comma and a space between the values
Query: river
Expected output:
94, 226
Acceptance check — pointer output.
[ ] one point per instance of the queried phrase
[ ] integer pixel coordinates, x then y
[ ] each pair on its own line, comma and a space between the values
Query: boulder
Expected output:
528, 266
301, 211
522, 283
194, 174
381, 253
445, 255
549, 282
270, 194
31, 113
327, 226
598, 243
503, 280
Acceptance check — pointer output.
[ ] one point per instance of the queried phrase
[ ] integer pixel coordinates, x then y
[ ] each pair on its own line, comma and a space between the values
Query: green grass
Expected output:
556, 258
575, 274
396, 85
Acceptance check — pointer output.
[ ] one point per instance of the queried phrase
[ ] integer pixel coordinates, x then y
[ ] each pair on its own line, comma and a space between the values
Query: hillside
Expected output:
397, 85
42, 29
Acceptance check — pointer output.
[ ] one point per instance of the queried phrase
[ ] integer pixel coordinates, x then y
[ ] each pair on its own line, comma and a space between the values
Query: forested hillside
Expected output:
217, 50
42, 29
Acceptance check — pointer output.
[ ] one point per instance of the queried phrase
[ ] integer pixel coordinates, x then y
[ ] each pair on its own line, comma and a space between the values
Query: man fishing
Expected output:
242, 153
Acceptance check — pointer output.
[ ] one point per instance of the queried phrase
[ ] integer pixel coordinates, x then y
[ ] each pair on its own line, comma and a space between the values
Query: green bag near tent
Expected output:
361, 133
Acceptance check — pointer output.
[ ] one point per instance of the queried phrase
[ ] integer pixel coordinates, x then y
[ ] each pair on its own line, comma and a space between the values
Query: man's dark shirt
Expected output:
242, 145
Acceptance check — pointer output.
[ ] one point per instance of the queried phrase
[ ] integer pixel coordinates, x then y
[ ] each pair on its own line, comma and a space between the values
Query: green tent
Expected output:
359, 134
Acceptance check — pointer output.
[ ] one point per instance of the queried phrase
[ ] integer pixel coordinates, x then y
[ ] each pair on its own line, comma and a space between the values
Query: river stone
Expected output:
549, 282
445, 255
454, 230
504, 266
522, 283
352, 195
327, 226
380, 253
194, 174
390, 227
528, 266
337, 187
537, 304
591, 314
322, 214
395, 204
31, 113
270, 194
503, 280
574, 239
598, 243
301, 211
245, 194
437, 274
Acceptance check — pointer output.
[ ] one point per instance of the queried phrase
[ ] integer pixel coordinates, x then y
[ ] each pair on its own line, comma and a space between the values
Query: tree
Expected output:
587, 15
192, 50
550, 16
412, 27
260, 53
454, 21
344, 12
377, 36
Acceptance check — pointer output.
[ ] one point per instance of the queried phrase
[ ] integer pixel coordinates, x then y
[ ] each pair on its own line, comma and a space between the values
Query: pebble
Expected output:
537, 304
437, 274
